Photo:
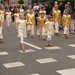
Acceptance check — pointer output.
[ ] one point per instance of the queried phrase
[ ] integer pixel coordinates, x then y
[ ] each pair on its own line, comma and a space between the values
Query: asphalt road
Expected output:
37, 59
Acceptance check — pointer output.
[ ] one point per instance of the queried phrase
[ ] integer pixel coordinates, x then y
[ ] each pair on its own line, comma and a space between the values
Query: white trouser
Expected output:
1, 36
21, 39
49, 37
66, 30
8, 24
30, 28
41, 30
57, 27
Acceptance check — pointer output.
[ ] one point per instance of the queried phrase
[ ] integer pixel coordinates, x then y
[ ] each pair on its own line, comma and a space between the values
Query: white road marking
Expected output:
71, 56
3, 53
13, 64
46, 60
34, 74
67, 71
72, 45
36, 47
53, 48
27, 51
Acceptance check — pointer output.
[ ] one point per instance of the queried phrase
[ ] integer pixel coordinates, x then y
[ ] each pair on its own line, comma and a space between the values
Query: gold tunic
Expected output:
66, 20
41, 21
57, 15
22, 28
30, 19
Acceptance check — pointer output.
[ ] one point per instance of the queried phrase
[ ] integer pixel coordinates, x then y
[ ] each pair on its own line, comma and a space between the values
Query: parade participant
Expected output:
2, 15
1, 36
49, 27
43, 10
8, 19
40, 26
21, 9
16, 17
30, 17
66, 22
22, 30
57, 19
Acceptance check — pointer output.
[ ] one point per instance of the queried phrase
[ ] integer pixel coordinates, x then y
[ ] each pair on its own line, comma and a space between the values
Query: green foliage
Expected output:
20, 1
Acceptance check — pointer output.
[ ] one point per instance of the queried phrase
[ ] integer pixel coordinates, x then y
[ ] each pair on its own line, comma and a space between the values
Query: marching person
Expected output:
66, 22
8, 19
30, 17
57, 19
16, 17
40, 26
49, 29
2, 12
22, 30
1, 36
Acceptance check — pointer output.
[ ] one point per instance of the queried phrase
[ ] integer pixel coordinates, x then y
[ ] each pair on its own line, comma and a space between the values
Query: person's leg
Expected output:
28, 29
8, 26
22, 43
65, 32
43, 33
32, 31
57, 28
39, 32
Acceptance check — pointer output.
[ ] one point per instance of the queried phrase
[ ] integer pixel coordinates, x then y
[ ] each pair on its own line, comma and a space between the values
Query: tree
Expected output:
21, 2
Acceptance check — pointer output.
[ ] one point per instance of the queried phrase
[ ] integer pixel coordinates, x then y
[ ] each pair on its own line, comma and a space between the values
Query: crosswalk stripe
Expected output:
27, 51
13, 64
34, 74
53, 48
36, 47
71, 56
67, 71
3, 53
46, 60
71, 45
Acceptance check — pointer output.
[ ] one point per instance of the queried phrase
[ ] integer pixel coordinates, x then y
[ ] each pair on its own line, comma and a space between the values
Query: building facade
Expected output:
14, 2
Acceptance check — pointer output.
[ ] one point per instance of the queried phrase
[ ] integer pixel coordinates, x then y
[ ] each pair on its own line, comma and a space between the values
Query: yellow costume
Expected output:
30, 19
8, 16
41, 24
50, 28
57, 20
16, 16
22, 28
2, 15
21, 10
57, 15
66, 23
1, 36
66, 20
